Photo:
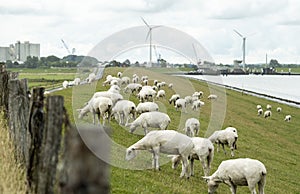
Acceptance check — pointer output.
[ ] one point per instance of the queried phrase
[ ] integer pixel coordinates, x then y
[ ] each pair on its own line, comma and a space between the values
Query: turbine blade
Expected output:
238, 33
145, 22
156, 26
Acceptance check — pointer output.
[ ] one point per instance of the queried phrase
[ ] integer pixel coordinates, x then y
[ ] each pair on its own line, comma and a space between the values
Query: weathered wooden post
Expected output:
4, 77
54, 119
18, 112
86, 161
36, 129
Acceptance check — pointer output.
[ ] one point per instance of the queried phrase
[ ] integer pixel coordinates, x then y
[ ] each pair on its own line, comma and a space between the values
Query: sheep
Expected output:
159, 85
212, 97
133, 87
144, 77
125, 80
259, 112
203, 150
197, 104
170, 86
269, 107
114, 89
227, 136
181, 103
198, 94
150, 119
123, 109
279, 109
119, 74
188, 99
258, 106
112, 95
99, 106
155, 82
192, 126
146, 107
267, 114
155, 88
76, 81
173, 98
146, 93
65, 84
91, 78
161, 94
135, 78
145, 82
167, 142
239, 172
288, 118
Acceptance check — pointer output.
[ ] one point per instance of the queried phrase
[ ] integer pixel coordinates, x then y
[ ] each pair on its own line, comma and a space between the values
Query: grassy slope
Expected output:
275, 142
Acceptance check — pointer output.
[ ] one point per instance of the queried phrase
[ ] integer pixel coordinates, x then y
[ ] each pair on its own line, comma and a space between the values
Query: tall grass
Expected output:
12, 175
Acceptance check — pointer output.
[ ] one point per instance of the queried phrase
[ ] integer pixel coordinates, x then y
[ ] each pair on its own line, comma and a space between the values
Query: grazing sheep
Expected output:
259, 112
197, 104
76, 81
258, 106
150, 119
99, 106
192, 126
155, 88
125, 80
155, 82
119, 74
279, 109
146, 107
269, 107
170, 86
65, 84
161, 94
167, 142
227, 136
146, 94
114, 89
133, 87
188, 99
123, 109
159, 85
288, 118
91, 78
112, 95
135, 78
145, 82
238, 172
180, 103
212, 97
173, 98
198, 94
203, 150
267, 114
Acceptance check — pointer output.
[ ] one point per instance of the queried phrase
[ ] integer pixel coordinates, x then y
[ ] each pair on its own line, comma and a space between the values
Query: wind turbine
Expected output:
150, 39
244, 47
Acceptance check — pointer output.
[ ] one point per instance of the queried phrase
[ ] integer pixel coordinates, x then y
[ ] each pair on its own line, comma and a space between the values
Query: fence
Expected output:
36, 124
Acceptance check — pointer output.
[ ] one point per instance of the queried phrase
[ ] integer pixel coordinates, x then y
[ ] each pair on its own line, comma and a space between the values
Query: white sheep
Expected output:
212, 97
269, 107
173, 98
170, 86
123, 109
258, 106
188, 99
155, 82
150, 119
203, 150
146, 94
91, 78
119, 74
167, 142
181, 103
65, 84
198, 94
125, 80
288, 118
133, 87
259, 112
76, 81
197, 104
227, 136
112, 95
114, 89
100, 106
279, 109
161, 94
192, 126
267, 114
239, 172
145, 82
146, 107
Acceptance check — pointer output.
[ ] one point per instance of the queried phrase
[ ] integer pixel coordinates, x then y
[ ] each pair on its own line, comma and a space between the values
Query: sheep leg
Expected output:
261, 184
185, 167
145, 130
155, 157
192, 167
232, 148
252, 188
204, 166
233, 188
223, 148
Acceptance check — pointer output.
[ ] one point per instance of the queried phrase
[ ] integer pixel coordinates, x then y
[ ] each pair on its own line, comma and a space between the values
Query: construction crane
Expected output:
158, 57
67, 48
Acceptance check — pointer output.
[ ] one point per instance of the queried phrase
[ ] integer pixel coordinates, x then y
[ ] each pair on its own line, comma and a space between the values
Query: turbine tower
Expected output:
150, 40
244, 47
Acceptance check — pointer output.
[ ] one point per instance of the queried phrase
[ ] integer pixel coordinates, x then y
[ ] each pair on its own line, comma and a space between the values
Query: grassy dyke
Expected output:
274, 142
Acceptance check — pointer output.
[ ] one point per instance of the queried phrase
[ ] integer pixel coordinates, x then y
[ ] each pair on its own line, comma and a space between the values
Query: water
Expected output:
280, 86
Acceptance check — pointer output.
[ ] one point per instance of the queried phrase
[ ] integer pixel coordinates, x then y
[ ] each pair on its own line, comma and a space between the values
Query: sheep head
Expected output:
130, 153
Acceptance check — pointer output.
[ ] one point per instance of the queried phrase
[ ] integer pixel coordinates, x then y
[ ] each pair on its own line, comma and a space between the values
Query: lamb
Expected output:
123, 109
269, 107
288, 118
203, 150
192, 126
150, 119
181, 103
161, 94
146, 107
227, 136
267, 114
279, 109
167, 142
99, 106
239, 172
173, 98
133, 87
212, 97
197, 104
259, 112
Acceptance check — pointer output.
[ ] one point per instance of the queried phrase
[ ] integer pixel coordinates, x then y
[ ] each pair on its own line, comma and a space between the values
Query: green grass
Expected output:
274, 142
286, 69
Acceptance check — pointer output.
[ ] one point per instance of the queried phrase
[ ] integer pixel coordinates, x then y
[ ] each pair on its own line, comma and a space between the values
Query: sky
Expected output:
270, 27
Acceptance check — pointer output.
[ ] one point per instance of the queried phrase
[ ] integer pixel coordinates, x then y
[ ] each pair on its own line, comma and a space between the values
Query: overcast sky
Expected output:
271, 27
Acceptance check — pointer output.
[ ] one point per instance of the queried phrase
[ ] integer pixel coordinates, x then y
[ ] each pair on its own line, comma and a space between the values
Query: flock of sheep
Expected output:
182, 147
268, 112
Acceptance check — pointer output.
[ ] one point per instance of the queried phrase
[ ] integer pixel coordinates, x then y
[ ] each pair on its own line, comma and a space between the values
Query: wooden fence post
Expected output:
85, 168
35, 128
4, 77
51, 144
18, 112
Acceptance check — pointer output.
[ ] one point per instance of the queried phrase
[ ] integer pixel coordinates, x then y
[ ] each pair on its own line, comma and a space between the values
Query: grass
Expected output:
274, 142
12, 176
286, 69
